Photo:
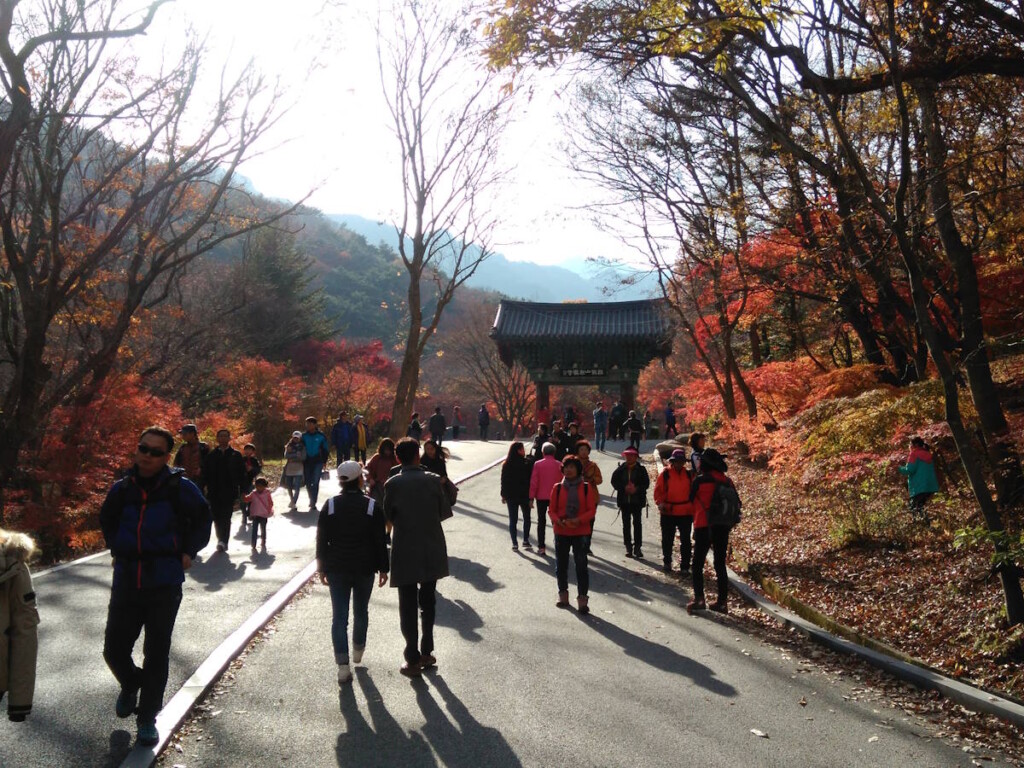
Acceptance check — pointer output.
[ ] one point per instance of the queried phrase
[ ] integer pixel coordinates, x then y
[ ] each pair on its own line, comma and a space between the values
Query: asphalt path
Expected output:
522, 683
72, 721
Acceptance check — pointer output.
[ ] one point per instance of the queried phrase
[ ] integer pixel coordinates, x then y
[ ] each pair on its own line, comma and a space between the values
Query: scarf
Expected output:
572, 496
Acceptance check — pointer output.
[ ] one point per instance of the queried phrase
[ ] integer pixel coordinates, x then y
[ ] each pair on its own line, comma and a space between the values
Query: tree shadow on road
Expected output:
467, 742
472, 573
659, 656
458, 615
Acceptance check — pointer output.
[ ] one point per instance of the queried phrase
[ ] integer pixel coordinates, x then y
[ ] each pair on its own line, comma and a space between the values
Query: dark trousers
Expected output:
542, 519
513, 520
670, 430
437, 438
455, 432
344, 453
483, 431
410, 598
634, 440
599, 437
716, 537
360, 455
130, 611
222, 511
632, 528
579, 545
669, 525
259, 524
311, 476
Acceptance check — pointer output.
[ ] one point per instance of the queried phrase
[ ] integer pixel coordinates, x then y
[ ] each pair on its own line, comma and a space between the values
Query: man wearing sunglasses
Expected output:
155, 521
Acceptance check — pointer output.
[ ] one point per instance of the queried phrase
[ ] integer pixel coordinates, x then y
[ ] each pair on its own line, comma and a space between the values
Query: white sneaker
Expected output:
357, 655
344, 674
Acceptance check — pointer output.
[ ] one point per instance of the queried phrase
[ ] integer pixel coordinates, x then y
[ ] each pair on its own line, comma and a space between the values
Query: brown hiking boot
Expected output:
582, 604
563, 600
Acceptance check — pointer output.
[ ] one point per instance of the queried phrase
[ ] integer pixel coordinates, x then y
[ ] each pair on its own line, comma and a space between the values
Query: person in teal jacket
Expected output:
922, 480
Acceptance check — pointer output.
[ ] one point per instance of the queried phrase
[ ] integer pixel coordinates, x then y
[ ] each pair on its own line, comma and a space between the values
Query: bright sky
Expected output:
335, 136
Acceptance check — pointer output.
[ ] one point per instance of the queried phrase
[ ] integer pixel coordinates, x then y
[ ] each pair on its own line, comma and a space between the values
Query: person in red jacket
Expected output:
707, 535
572, 510
672, 495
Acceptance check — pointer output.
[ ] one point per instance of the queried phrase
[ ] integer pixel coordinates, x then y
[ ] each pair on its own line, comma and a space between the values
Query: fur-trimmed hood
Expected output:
15, 548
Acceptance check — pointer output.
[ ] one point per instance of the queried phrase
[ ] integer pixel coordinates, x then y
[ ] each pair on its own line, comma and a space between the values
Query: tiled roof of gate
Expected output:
636, 321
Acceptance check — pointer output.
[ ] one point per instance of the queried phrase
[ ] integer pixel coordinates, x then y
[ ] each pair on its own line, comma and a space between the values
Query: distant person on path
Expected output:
558, 438
360, 439
631, 481
294, 468
261, 508
600, 426
670, 421
415, 429
922, 480
570, 414
616, 418
672, 496
253, 467
537, 449
19, 618
635, 427
342, 434
572, 510
697, 442
436, 426
350, 549
415, 504
458, 422
591, 473
483, 420
711, 526
433, 459
515, 492
543, 476
155, 522
568, 441
378, 469
317, 453
223, 477
191, 454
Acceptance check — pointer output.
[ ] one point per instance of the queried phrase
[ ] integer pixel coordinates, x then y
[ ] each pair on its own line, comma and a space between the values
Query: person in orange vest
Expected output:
672, 496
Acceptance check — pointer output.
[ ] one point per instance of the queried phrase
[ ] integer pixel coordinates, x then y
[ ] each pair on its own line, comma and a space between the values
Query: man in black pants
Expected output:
223, 478
631, 481
155, 521
415, 503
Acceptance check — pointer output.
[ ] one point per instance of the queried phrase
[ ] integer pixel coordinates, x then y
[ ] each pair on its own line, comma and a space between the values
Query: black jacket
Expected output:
558, 439
435, 465
536, 451
349, 538
634, 424
437, 424
515, 479
569, 444
223, 475
621, 477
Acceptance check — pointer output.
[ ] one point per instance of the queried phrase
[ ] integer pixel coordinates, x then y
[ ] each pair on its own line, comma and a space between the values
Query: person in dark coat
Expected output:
670, 421
537, 449
569, 440
154, 521
433, 458
616, 418
437, 425
600, 426
709, 533
415, 429
635, 427
415, 503
483, 420
350, 548
631, 481
515, 492
223, 477
342, 434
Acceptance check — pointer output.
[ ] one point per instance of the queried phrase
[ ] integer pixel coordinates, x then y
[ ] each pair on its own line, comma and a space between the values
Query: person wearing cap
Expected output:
191, 454
342, 434
708, 533
631, 481
543, 476
350, 549
361, 440
294, 468
672, 496
572, 509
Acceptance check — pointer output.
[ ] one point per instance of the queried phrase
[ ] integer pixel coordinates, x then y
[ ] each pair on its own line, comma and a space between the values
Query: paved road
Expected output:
521, 683
72, 721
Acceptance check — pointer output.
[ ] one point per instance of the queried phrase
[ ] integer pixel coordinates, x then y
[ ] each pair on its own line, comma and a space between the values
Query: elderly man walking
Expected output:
415, 504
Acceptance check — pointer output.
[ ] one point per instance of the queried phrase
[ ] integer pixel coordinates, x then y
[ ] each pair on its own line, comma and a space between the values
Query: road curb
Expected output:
209, 671
907, 669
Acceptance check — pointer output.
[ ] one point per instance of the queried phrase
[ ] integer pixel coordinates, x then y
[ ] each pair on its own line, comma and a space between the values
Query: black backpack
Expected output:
726, 507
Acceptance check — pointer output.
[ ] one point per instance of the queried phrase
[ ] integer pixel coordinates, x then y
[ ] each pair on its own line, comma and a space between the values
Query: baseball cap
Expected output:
189, 428
678, 455
632, 451
296, 433
349, 470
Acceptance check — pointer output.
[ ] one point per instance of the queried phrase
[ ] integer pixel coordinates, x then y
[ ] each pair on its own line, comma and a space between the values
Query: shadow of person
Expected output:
301, 518
217, 571
467, 742
263, 560
458, 615
473, 573
384, 743
659, 656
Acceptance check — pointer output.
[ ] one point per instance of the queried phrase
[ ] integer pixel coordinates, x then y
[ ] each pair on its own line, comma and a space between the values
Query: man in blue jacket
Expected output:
342, 434
317, 453
155, 521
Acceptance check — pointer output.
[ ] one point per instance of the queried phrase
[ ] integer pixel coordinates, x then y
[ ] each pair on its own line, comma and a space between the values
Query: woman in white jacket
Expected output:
18, 621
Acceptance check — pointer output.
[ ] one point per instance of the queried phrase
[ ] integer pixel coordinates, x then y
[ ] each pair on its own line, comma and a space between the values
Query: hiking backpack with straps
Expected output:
725, 507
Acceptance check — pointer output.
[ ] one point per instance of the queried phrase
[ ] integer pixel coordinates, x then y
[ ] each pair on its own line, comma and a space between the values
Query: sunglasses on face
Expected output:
149, 450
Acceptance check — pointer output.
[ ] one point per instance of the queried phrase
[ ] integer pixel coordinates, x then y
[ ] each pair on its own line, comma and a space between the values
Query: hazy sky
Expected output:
335, 135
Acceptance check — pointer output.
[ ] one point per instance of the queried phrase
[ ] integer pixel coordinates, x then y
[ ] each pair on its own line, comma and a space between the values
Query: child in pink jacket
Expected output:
545, 475
261, 507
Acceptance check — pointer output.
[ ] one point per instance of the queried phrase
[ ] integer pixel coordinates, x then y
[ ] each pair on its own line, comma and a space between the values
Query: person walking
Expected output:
592, 474
378, 469
457, 422
543, 476
415, 503
711, 526
697, 443
616, 418
252, 466
433, 459
261, 508
600, 426
631, 481
922, 480
317, 453
670, 421
568, 441
360, 439
342, 434
537, 449
635, 428
223, 478
558, 436
437, 426
672, 497
191, 454
515, 492
294, 468
19, 619
483, 420
572, 510
415, 429
155, 521
350, 549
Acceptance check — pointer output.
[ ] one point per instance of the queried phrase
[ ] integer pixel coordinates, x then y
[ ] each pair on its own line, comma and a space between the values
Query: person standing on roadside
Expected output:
457, 422
191, 454
415, 429
697, 442
543, 476
437, 426
294, 468
670, 421
672, 496
592, 474
415, 503
317, 453
155, 522
361, 439
350, 549
19, 619
631, 481
572, 510
341, 437
483, 420
711, 530
223, 476
515, 492
635, 428
600, 426
616, 418
922, 480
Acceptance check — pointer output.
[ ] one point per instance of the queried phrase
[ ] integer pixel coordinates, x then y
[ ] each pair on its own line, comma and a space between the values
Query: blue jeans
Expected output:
312, 479
513, 520
600, 436
294, 485
342, 586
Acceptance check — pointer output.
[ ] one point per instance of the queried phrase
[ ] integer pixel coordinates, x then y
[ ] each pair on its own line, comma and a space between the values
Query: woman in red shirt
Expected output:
707, 533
